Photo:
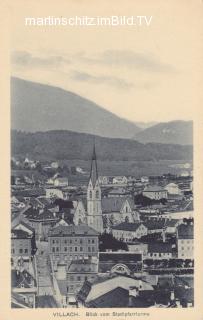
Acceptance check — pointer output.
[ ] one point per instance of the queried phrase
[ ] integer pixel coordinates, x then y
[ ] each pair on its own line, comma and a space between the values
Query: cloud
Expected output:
101, 79
24, 58
128, 59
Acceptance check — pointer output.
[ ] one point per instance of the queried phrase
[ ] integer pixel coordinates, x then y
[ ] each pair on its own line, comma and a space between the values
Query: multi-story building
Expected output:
72, 243
185, 241
21, 244
155, 192
129, 231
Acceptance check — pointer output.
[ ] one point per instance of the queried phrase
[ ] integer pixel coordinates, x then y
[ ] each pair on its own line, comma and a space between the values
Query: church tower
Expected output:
94, 211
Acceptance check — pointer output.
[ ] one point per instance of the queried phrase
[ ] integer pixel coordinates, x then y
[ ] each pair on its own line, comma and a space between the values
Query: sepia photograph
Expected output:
103, 109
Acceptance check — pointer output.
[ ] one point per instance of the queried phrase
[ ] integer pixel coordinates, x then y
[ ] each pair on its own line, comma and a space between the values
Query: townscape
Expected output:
102, 241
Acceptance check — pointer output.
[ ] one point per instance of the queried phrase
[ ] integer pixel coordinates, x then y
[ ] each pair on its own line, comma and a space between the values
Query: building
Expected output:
138, 247
120, 180
61, 182
41, 220
124, 263
72, 243
155, 225
185, 241
160, 251
21, 244
114, 291
54, 193
172, 188
128, 231
155, 192
116, 210
78, 272
94, 210
24, 289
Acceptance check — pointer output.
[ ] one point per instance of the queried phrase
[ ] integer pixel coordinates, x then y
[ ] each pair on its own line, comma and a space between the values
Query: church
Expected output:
94, 209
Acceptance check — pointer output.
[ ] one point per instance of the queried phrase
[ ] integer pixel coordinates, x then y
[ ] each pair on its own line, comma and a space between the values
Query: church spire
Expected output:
93, 171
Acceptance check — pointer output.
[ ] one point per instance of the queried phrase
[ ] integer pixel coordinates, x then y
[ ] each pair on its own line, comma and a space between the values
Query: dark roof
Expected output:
20, 234
36, 214
114, 204
24, 278
64, 204
159, 247
185, 231
152, 224
119, 257
79, 230
127, 226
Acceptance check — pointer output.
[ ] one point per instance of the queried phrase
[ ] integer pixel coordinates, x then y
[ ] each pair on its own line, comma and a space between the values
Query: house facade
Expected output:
129, 231
72, 243
155, 192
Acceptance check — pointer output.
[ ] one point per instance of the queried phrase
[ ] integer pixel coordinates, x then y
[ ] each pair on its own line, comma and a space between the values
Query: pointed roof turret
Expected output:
93, 171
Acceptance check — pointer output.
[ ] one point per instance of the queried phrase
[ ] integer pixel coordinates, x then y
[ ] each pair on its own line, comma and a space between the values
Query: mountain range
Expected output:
38, 107
67, 145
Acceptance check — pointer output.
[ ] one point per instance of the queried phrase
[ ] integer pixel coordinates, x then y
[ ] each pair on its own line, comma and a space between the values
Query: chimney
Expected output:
172, 295
132, 293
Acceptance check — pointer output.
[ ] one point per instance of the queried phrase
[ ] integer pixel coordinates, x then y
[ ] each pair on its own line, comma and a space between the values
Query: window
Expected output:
89, 249
80, 241
26, 250
90, 194
93, 249
53, 249
78, 278
97, 194
88, 240
65, 248
92, 240
65, 241
57, 249
70, 240
81, 248
20, 250
71, 249
53, 241
76, 249
71, 278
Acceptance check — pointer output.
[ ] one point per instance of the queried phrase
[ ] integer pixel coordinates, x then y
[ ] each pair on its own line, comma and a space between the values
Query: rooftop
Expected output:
126, 226
185, 231
80, 230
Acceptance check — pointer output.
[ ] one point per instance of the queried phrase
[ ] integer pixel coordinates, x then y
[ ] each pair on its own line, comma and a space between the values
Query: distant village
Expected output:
82, 239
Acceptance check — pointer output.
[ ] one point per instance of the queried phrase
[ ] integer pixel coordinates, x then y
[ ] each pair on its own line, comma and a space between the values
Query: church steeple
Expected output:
94, 212
94, 171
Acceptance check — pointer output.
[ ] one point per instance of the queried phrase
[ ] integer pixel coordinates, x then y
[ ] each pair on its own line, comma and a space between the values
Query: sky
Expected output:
139, 73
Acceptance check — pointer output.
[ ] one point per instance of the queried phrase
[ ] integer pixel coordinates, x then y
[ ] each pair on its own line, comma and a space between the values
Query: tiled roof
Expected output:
119, 257
79, 230
35, 214
127, 226
82, 266
185, 231
159, 247
114, 204
153, 224
20, 234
